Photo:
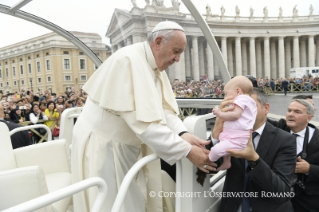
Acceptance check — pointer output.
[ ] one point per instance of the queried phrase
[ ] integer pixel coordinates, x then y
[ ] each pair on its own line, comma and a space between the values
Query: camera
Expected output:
22, 107
28, 92
298, 187
70, 102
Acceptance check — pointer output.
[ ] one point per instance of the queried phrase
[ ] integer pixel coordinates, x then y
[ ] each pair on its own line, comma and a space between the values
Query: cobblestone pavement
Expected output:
279, 103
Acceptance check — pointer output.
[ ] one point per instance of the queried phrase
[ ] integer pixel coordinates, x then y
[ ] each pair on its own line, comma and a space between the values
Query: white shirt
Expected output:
301, 136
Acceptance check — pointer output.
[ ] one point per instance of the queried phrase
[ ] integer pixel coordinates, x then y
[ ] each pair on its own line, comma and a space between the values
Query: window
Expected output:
22, 82
66, 64
21, 69
0, 73
1, 85
39, 80
47, 53
38, 67
20, 59
15, 83
13, 61
67, 78
29, 58
7, 83
49, 79
29, 68
14, 71
38, 55
83, 78
6, 63
65, 52
48, 65
7, 72
82, 64
81, 53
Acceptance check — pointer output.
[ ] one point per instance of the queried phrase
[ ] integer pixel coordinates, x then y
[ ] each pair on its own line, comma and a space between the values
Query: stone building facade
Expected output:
49, 62
265, 46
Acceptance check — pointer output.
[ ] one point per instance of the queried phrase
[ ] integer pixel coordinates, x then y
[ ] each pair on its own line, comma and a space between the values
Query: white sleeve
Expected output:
34, 119
174, 122
45, 118
161, 139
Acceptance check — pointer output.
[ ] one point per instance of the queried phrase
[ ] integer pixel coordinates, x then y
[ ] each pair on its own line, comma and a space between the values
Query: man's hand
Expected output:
193, 140
200, 159
302, 166
248, 153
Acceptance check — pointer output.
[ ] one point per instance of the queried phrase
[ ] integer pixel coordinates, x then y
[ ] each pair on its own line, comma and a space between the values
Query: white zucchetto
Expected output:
167, 25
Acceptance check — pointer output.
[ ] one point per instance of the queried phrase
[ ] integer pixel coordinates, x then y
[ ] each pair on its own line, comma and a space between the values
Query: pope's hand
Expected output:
200, 159
193, 140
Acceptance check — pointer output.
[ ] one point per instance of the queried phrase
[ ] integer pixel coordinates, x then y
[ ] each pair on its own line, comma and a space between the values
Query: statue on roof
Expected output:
251, 12
265, 12
147, 2
280, 12
134, 3
237, 11
158, 3
311, 10
295, 11
208, 10
175, 3
222, 10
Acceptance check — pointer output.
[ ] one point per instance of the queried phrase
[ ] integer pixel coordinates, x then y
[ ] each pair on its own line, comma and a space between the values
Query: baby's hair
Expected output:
243, 83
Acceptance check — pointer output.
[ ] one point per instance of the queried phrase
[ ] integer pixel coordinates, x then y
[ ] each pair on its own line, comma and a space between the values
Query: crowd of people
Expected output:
214, 88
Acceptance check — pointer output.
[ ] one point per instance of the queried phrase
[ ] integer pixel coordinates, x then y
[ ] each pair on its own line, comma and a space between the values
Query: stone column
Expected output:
317, 51
201, 57
224, 49
258, 60
288, 57
216, 68
252, 57
311, 51
129, 41
273, 59
281, 57
244, 57
296, 52
238, 57
136, 38
195, 59
187, 61
230, 60
120, 45
303, 53
210, 63
179, 69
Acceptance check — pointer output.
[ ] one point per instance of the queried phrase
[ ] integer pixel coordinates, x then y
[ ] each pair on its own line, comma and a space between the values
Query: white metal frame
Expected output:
55, 196
49, 133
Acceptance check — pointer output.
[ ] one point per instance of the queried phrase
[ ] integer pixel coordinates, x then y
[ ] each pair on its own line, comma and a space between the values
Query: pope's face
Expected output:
169, 51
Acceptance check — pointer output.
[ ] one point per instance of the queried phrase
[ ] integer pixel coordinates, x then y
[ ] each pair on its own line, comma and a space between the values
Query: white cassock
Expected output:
130, 104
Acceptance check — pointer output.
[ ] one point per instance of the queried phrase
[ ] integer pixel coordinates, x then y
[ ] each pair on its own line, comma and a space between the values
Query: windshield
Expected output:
251, 39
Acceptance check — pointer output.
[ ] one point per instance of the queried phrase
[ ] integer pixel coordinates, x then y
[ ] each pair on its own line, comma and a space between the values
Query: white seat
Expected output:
32, 171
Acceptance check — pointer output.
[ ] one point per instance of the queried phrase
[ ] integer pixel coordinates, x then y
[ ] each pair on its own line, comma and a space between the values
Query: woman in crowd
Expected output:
35, 115
42, 106
52, 114
16, 115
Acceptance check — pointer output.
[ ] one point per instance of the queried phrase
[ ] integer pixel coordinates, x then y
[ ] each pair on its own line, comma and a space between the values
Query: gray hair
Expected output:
165, 34
306, 103
261, 96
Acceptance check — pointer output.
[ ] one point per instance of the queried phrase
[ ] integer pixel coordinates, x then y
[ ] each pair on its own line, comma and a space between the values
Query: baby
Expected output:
238, 122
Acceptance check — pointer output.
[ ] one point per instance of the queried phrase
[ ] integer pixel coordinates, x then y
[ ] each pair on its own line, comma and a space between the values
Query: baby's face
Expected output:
230, 91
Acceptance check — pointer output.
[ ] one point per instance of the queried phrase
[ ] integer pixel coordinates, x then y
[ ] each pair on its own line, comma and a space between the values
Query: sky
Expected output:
94, 15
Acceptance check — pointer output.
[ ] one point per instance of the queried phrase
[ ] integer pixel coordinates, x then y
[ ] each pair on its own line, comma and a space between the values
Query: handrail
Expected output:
55, 196
178, 198
128, 178
18, 129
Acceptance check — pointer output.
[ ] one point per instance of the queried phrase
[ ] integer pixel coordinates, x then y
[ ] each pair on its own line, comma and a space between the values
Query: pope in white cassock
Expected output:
131, 112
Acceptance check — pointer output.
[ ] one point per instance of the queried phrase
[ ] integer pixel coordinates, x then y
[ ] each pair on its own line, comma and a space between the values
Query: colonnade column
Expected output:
114, 48
258, 60
201, 57
195, 59
273, 59
317, 51
180, 68
252, 57
210, 63
281, 57
244, 57
296, 52
311, 51
128, 41
187, 61
267, 57
230, 58
238, 56
224, 49
288, 57
303, 53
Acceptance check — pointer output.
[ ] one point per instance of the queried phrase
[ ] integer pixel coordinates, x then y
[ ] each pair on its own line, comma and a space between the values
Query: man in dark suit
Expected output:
298, 115
270, 168
284, 85
19, 139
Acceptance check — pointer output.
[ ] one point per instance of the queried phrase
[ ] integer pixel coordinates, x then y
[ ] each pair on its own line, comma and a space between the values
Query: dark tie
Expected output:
245, 206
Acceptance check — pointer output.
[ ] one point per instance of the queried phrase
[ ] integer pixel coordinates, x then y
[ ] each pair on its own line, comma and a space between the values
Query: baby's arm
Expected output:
229, 115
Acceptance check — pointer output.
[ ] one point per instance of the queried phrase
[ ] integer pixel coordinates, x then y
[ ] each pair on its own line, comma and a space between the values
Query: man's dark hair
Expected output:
253, 81
302, 97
